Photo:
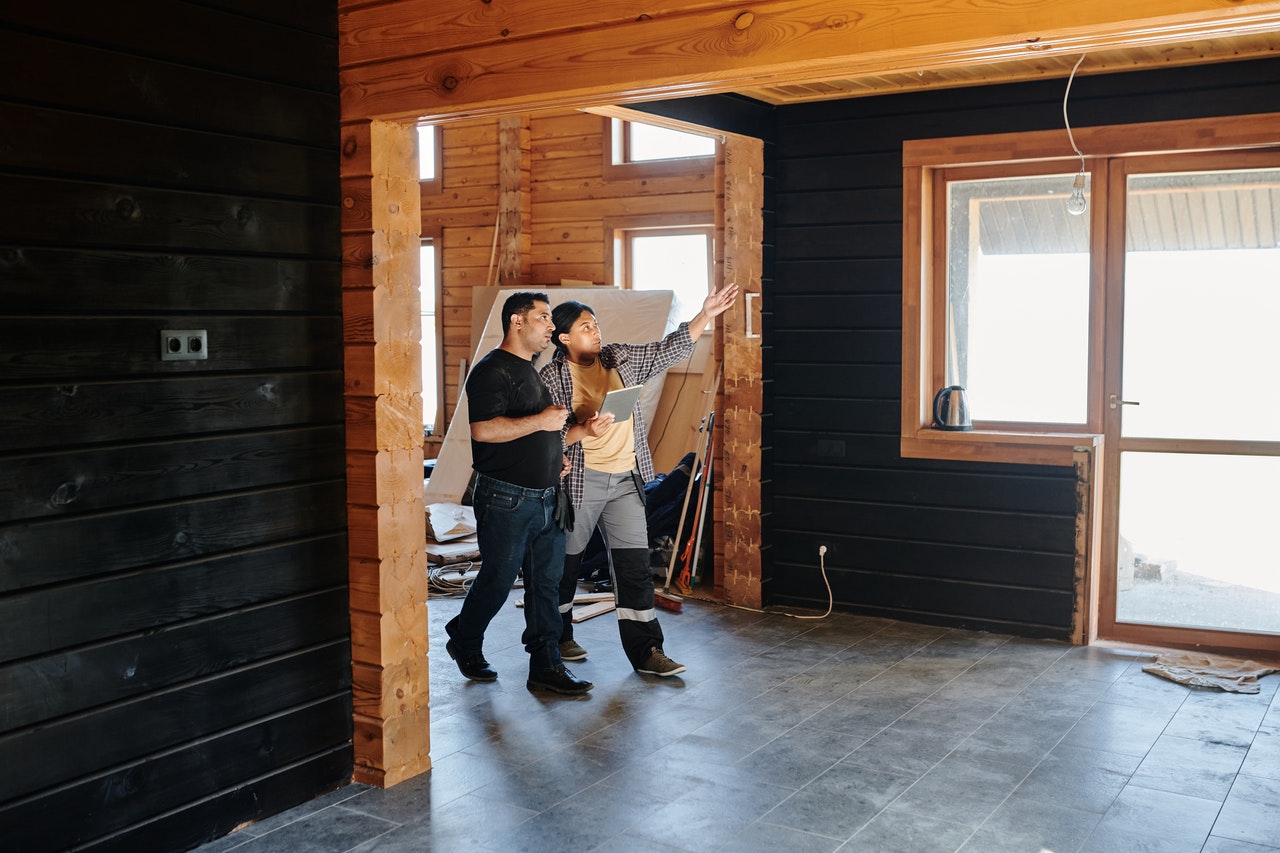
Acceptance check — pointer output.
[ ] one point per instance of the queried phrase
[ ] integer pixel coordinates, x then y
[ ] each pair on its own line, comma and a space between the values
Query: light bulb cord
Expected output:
1067, 121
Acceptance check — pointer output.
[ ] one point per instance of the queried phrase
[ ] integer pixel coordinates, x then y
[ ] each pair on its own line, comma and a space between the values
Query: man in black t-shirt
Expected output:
519, 459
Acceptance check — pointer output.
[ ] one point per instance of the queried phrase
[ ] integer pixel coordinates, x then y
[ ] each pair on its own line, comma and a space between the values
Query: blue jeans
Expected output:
514, 528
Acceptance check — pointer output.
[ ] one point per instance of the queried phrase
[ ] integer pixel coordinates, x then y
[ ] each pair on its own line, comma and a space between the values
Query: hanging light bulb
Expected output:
1076, 204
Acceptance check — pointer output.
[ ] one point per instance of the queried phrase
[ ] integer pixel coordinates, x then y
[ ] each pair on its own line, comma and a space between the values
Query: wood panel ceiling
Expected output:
1038, 64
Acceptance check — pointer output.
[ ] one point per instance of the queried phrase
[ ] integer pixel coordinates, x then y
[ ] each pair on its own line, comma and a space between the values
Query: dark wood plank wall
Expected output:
175, 655
976, 545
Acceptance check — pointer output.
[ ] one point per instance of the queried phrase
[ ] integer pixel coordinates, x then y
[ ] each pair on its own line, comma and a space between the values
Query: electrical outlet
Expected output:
183, 344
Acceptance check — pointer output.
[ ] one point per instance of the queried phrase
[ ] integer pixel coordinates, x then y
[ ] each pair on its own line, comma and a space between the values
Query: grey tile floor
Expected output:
848, 733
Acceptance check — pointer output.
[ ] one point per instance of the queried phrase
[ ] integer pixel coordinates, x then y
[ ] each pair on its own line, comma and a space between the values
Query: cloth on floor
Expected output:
1199, 670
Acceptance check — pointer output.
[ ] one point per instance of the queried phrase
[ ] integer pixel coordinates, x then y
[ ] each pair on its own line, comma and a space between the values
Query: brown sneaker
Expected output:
571, 651
659, 664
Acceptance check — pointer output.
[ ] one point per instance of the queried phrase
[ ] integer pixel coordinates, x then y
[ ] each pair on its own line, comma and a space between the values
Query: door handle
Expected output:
1114, 400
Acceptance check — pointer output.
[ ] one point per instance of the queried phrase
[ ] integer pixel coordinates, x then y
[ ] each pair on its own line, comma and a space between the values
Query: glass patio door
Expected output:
1192, 501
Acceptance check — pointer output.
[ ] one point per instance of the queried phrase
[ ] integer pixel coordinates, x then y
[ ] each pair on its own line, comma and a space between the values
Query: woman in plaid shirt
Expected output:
609, 464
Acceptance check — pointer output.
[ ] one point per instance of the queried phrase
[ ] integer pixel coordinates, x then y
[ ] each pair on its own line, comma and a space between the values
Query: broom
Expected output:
664, 597
684, 583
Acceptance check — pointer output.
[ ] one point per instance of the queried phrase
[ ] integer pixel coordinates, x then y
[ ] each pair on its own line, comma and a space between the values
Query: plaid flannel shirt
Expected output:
635, 363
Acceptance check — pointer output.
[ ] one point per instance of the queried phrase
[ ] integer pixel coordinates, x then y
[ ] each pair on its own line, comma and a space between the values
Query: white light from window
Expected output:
1027, 337
430, 354
426, 152
675, 262
649, 142
1017, 301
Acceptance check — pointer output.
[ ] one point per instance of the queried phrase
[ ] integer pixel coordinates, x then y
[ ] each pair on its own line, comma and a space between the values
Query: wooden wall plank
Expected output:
50, 484
54, 550
145, 89
259, 798
107, 215
977, 564
39, 280
112, 801
956, 525
840, 275
98, 608
158, 721
285, 54
1017, 492
61, 683
80, 413
377, 31
128, 347
68, 144
1015, 610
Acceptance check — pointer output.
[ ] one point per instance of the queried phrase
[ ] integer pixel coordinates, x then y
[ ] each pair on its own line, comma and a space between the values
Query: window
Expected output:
636, 142
675, 259
428, 278
1016, 298
430, 157
1024, 305
651, 151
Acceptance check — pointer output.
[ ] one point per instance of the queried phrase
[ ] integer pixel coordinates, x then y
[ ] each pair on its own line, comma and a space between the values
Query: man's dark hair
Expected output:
519, 303
564, 316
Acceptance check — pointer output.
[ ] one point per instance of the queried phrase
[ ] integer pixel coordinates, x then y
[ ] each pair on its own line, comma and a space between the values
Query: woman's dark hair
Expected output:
564, 316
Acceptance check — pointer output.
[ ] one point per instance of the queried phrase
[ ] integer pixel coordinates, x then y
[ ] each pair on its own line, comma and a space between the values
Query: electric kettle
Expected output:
950, 410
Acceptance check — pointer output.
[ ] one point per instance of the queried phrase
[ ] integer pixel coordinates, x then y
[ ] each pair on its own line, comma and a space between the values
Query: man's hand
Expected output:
552, 418
564, 471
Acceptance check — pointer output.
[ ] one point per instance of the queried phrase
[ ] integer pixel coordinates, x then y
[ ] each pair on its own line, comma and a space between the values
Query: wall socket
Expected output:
183, 344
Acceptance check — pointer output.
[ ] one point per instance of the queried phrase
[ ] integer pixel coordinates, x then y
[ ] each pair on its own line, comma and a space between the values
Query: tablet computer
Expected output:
621, 401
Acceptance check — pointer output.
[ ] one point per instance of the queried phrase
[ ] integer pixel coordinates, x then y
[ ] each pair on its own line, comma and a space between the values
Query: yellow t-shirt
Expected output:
615, 451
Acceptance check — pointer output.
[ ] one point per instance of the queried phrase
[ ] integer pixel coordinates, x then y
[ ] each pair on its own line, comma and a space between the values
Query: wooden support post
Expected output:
738, 502
383, 390
1087, 462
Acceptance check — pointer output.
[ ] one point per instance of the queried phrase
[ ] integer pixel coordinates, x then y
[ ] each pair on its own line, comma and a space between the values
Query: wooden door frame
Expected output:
1108, 629
381, 234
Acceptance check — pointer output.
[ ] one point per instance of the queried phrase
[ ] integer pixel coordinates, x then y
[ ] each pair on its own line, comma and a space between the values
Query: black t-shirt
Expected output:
505, 385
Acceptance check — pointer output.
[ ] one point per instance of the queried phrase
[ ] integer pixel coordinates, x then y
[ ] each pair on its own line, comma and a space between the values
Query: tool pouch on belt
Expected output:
639, 481
563, 513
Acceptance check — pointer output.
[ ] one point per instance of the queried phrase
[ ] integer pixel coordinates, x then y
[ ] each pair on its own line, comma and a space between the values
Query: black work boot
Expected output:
558, 680
569, 649
472, 665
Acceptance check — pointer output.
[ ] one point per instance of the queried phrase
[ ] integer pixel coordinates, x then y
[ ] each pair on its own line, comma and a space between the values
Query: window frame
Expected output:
618, 228
644, 169
938, 287
925, 162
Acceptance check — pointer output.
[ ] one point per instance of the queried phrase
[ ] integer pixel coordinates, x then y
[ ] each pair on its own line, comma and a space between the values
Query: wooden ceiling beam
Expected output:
447, 59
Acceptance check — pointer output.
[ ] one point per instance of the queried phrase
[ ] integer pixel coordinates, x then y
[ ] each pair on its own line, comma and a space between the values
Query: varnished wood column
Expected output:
743, 401
381, 228
514, 261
